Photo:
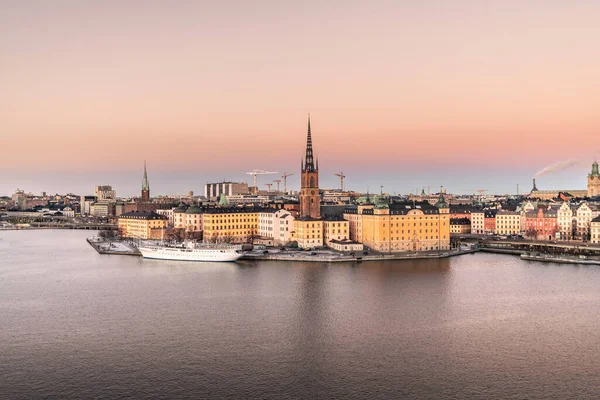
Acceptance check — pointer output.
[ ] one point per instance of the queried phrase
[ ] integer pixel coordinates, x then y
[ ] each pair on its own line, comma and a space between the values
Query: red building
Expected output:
489, 221
541, 224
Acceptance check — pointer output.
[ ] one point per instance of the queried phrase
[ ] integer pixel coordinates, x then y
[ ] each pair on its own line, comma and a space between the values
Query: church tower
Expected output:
310, 200
145, 186
594, 181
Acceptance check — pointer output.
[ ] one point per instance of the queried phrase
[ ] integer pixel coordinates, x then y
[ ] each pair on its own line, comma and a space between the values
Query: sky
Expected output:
406, 94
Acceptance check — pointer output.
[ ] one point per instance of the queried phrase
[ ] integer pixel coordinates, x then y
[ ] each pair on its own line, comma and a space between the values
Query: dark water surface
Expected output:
76, 324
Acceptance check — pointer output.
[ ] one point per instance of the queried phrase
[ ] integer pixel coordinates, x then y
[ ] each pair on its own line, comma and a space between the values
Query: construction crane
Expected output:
277, 181
284, 176
342, 176
256, 172
268, 185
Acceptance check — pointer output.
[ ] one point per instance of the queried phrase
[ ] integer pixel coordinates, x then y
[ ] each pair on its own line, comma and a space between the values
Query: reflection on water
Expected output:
76, 324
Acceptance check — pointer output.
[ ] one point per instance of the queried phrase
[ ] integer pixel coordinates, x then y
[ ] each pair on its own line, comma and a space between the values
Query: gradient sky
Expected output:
406, 94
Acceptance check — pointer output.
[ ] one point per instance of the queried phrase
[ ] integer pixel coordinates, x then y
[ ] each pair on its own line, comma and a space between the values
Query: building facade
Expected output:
564, 220
142, 225
213, 191
478, 222
542, 224
403, 226
105, 192
508, 222
460, 225
595, 231
230, 224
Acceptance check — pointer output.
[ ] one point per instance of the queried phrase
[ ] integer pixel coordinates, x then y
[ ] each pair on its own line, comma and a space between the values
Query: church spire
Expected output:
145, 185
309, 164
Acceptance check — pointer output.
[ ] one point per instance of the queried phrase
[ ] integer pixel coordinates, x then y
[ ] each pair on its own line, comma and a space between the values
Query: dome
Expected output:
180, 209
193, 210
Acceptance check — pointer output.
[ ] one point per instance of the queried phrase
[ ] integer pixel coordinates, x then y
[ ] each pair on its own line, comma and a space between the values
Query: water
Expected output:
76, 324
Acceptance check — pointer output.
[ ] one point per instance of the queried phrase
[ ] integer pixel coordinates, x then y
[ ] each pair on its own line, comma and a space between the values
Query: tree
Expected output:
174, 234
531, 232
194, 235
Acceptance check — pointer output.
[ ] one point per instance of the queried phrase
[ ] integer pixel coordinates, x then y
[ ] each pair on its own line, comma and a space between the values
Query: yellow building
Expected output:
595, 231
308, 232
142, 225
508, 222
460, 225
401, 227
335, 230
230, 224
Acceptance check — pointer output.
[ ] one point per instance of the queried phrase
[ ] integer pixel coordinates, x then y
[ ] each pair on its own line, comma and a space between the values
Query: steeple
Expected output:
595, 169
145, 185
309, 164
535, 189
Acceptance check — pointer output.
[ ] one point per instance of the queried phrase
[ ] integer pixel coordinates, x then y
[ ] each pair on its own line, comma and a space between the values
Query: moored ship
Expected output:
192, 252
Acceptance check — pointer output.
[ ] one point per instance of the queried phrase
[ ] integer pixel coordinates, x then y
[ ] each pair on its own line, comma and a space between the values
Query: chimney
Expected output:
534, 188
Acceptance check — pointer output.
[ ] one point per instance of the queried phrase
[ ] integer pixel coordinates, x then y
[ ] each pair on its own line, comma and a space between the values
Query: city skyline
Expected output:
402, 95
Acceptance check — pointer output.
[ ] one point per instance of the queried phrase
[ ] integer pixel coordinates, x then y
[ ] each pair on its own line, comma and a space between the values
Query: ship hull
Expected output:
184, 254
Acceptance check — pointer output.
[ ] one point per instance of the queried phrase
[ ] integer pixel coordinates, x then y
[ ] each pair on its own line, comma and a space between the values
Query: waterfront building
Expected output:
478, 222
276, 224
309, 233
230, 224
593, 185
346, 245
460, 225
335, 229
508, 222
403, 226
213, 191
142, 225
595, 231
542, 223
489, 222
145, 185
105, 192
582, 220
565, 221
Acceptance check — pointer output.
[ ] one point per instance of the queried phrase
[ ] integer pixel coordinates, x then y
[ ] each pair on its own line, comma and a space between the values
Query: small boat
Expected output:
192, 252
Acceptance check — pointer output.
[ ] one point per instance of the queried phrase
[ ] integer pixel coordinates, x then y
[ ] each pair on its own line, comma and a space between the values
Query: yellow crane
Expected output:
284, 176
342, 176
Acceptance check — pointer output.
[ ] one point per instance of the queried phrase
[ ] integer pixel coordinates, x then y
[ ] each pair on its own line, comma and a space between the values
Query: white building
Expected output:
276, 224
477, 222
169, 214
240, 199
105, 192
565, 221
583, 219
213, 191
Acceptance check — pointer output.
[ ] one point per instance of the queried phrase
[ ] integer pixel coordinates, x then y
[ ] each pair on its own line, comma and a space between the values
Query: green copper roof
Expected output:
223, 200
441, 203
595, 169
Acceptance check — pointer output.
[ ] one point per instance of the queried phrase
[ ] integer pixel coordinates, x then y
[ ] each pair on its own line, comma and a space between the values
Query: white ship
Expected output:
192, 252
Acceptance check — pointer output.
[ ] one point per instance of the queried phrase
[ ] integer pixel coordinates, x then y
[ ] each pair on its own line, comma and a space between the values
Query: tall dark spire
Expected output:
309, 164
145, 185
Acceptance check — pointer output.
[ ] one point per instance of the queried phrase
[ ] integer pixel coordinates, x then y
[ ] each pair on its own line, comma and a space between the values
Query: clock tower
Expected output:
310, 200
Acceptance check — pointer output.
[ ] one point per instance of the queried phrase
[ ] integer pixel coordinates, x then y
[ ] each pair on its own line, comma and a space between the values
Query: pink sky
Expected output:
216, 89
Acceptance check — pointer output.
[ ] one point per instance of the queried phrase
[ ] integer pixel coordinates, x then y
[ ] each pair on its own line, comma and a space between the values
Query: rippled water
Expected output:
76, 324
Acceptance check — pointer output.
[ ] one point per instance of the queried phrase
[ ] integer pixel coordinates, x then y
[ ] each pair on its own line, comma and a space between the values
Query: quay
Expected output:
120, 248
